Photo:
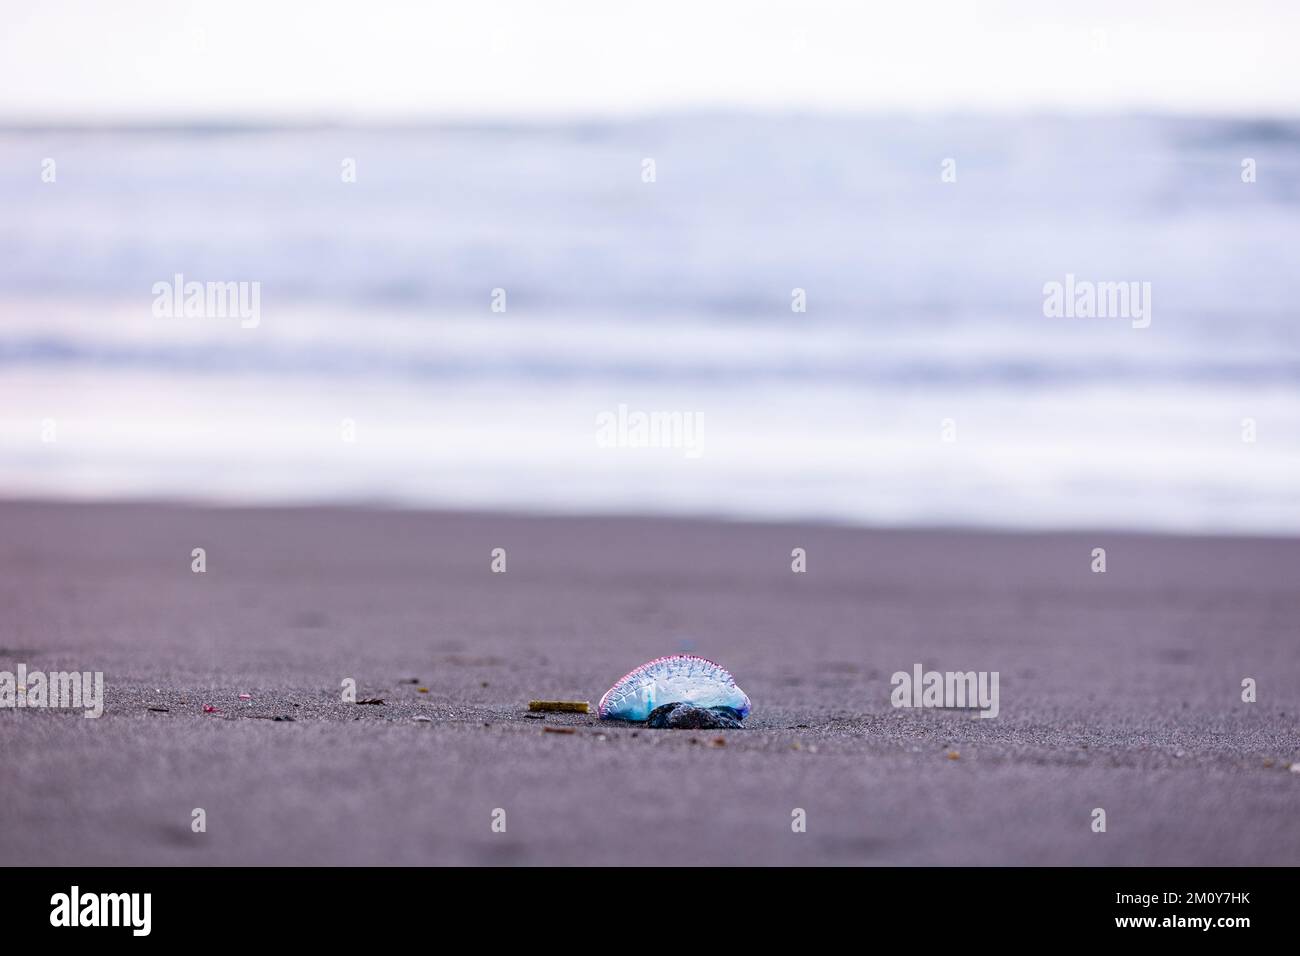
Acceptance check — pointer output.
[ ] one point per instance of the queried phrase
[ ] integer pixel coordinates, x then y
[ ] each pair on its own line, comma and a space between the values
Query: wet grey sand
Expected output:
1119, 690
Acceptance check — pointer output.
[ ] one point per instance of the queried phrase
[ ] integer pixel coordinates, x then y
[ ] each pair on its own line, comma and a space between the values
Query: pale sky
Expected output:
84, 60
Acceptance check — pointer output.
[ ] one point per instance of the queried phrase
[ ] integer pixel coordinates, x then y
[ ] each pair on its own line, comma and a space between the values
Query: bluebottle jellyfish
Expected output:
681, 691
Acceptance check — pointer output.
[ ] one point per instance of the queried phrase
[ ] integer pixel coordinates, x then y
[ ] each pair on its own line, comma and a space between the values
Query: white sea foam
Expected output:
924, 307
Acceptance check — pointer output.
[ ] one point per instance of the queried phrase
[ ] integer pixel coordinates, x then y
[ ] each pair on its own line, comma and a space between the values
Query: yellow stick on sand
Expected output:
572, 706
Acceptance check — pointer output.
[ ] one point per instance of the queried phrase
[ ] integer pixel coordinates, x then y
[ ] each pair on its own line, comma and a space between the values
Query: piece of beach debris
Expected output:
679, 691
423, 720
559, 730
371, 700
422, 690
570, 706
245, 696
160, 710
409, 680
954, 755
209, 709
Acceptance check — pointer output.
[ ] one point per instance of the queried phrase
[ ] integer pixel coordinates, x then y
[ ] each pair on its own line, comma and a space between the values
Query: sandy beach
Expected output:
1119, 690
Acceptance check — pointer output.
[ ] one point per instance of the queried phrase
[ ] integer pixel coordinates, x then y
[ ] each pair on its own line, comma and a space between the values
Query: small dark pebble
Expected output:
161, 710
534, 716
559, 730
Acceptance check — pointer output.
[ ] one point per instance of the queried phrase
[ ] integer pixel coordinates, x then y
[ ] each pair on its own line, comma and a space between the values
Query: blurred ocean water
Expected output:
379, 372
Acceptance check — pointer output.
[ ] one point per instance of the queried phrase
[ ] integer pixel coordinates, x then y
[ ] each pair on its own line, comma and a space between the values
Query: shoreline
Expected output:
833, 524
